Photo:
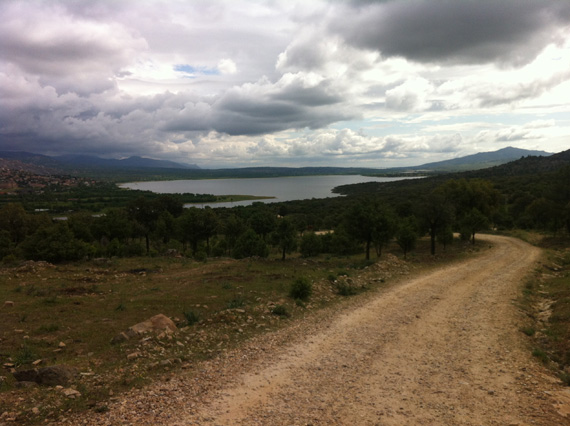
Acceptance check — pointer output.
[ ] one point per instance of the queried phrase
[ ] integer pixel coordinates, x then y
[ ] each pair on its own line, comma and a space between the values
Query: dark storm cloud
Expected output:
264, 107
457, 31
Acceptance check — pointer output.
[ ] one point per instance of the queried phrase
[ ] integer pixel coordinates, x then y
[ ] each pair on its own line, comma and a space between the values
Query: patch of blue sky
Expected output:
378, 126
192, 71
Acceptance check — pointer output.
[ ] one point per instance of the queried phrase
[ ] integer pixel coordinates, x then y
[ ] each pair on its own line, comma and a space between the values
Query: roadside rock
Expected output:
49, 376
159, 324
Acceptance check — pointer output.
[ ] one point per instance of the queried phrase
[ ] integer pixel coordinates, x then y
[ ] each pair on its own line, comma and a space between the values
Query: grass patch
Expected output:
48, 328
541, 355
26, 355
191, 317
236, 302
281, 311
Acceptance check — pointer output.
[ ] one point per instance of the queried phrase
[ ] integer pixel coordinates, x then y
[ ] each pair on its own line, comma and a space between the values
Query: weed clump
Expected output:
345, 289
24, 356
301, 289
280, 310
236, 302
541, 355
191, 317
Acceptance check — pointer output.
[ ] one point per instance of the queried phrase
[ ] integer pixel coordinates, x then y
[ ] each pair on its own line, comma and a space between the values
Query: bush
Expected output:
250, 244
200, 256
191, 317
310, 245
281, 311
236, 302
301, 289
345, 289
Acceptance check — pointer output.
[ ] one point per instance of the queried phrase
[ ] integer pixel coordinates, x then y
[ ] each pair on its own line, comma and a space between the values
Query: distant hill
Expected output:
131, 162
140, 168
517, 174
71, 163
482, 160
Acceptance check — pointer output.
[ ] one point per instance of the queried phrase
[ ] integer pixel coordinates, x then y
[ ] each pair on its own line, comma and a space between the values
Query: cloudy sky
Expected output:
283, 82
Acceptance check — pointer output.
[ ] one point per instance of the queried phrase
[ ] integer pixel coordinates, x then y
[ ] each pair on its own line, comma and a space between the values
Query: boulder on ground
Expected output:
49, 376
157, 324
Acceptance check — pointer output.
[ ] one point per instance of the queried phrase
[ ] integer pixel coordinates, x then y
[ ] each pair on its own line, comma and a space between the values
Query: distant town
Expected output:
14, 181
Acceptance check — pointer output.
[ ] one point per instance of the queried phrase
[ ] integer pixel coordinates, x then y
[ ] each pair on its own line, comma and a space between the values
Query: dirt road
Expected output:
440, 349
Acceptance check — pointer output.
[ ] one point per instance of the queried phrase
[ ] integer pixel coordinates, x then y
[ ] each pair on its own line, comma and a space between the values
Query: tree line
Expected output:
361, 223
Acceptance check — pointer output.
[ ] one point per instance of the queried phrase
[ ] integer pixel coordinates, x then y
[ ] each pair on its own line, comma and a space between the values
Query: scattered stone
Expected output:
36, 411
133, 355
61, 345
48, 376
8, 304
160, 324
71, 393
37, 362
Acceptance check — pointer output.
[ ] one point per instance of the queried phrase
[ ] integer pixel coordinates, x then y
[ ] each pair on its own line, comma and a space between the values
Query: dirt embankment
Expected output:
440, 349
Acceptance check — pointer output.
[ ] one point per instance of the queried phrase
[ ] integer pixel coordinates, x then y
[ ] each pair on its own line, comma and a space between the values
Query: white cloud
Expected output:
227, 66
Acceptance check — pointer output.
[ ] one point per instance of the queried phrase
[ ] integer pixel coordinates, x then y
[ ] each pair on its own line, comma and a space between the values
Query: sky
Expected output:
241, 83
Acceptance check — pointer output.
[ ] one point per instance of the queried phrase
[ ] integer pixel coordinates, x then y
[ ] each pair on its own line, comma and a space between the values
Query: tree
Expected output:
14, 220
384, 229
436, 213
81, 224
190, 228
145, 213
473, 222
310, 245
210, 223
262, 221
285, 237
232, 228
360, 221
165, 227
55, 243
445, 236
250, 244
406, 236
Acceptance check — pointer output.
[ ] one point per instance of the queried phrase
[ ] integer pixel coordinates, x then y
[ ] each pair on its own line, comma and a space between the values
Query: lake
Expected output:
281, 188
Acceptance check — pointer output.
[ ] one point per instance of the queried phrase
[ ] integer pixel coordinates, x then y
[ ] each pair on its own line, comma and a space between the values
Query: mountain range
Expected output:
86, 164
481, 160
69, 163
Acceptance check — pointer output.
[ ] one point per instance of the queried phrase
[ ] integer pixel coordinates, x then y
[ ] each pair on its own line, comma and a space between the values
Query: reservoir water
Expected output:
281, 188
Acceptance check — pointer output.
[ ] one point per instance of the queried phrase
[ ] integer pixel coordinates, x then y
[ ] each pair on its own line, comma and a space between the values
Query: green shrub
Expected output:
25, 356
541, 355
281, 311
236, 302
191, 317
310, 245
201, 256
345, 289
301, 289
